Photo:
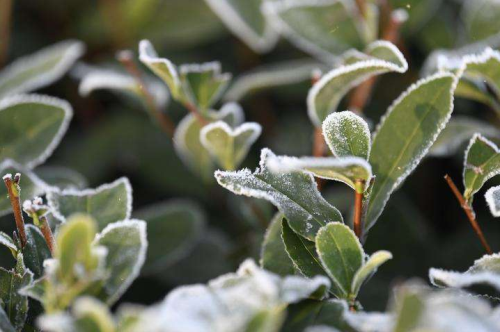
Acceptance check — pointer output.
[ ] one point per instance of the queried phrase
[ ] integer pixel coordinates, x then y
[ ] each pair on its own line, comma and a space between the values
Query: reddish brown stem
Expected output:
126, 59
15, 200
47, 234
358, 208
5, 22
362, 7
470, 214
193, 110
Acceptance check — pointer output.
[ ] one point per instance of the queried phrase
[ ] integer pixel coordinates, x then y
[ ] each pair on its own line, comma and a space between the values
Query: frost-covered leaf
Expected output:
270, 76
322, 28
245, 19
31, 127
348, 170
14, 304
404, 136
459, 130
61, 177
484, 67
8, 242
409, 307
229, 146
347, 134
40, 69
341, 255
36, 250
492, 197
5, 324
368, 269
106, 204
126, 245
295, 194
273, 255
174, 228
302, 252
325, 96
188, 144
482, 162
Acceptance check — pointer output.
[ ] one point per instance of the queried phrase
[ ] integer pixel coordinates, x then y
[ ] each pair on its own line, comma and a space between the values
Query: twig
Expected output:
14, 191
126, 59
470, 214
47, 234
5, 20
358, 207
362, 7
193, 110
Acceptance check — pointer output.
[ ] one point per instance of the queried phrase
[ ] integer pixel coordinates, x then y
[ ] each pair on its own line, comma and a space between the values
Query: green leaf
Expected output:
368, 269
492, 197
31, 127
459, 130
482, 162
174, 228
294, 194
303, 254
480, 19
92, 315
321, 28
106, 204
8, 242
484, 67
126, 245
267, 320
341, 255
36, 251
273, 255
229, 146
188, 144
477, 90
15, 305
271, 76
410, 307
348, 170
324, 97
40, 69
347, 134
5, 324
244, 19
61, 177
405, 135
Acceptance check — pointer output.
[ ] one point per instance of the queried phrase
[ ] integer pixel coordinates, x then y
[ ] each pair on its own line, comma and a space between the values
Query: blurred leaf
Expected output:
406, 133
368, 269
126, 245
295, 194
409, 309
174, 229
482, 162
31, 127
40, 69
274, 257
245, 20
492, 197
229, 146
325, 96
92, 315
480, 18
419, 12
347, 134
341, 255
107, 204
5, 324
61, 177
477, 90
36, 251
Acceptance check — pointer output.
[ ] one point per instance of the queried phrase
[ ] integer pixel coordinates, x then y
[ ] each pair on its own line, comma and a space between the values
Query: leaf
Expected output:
271, 76
492, 197
484, 67
368, 269
5, 324
7, 241
410, 308
40, 69
14, 304
294, 194
92, 315
341, 255
459, 130
36, 251
348, 170
408, 130
321, 28
106, 204
227, 145
126, 245
32, 127
188, 144
174, 228
325, 96
480, 20
273, 255
245, 20
347, 134
482, 162
61, 177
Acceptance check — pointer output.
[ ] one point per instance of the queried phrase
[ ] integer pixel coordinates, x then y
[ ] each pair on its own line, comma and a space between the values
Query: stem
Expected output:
362, 7
5, 20
193, 110
358, 207
469, 212
47, 234
14, 191
126, 59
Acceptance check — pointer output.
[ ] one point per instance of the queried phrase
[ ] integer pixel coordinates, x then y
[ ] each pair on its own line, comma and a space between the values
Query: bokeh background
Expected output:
109, 137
